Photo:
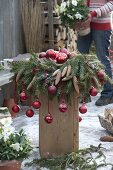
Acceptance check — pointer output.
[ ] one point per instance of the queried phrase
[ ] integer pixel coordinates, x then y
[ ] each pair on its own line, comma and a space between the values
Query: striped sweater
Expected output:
101, 13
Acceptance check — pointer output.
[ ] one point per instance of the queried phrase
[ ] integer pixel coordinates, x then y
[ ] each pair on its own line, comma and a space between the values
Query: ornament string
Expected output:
29, 101
22, 85
15, 89
45, 74
62, 95
83, 97
48, 105
51, 76
52, 69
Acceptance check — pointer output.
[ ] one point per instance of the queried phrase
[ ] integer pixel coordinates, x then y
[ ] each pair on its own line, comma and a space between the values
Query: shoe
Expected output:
102, 101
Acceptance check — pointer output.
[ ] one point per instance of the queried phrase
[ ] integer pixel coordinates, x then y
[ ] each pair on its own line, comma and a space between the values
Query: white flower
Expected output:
70, 16
68, 3
21, 148
74, 2
16, 146
6, 121
78, 16
7, 131
63, 7
6, 137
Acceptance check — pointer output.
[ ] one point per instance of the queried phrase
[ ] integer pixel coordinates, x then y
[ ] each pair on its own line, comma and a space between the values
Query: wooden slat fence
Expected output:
11, 34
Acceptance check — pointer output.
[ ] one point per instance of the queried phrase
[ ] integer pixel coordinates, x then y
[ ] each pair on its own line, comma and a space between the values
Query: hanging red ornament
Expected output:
23, 96
48, 118
100, 75
29, 113
15, 108
36, 104
83, 108
52, 89
63, 107
79, 118
93, 91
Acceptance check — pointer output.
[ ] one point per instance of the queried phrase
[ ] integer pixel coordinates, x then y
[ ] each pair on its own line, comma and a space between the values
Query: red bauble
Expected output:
36, 104
61, 58
29, 113
42, 55
83, 108
63, 107
23, 96
15, 108
64, 50
93, 91
52, 89
79, 118
57, 53
100, 75
48, 119
50, 54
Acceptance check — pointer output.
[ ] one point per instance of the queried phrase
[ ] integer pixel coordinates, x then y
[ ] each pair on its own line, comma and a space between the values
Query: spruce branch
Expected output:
83, 67
83, 159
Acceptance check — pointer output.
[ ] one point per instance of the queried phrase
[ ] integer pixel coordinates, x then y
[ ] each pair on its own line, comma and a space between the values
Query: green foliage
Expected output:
84, 67
13, 145
83, 159
72, 11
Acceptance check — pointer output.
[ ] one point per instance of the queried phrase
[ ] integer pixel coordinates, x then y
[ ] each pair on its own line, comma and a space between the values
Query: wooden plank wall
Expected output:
11, 33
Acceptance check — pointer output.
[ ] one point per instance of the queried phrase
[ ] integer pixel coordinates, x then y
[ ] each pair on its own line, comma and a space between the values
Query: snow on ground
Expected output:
90, 131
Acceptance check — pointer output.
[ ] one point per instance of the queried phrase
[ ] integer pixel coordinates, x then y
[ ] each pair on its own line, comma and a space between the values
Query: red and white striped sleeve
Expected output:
105, 9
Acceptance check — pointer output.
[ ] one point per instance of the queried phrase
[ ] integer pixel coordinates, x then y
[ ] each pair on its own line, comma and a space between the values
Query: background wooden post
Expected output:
50, 22
62, 135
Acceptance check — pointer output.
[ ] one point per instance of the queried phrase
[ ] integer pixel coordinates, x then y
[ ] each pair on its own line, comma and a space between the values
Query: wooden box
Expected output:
62, 135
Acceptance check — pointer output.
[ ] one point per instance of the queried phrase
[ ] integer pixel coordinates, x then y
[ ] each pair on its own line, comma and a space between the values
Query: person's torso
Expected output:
103, 9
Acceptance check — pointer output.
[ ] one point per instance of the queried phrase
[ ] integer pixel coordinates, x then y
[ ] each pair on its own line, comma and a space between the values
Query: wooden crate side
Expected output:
62, 135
